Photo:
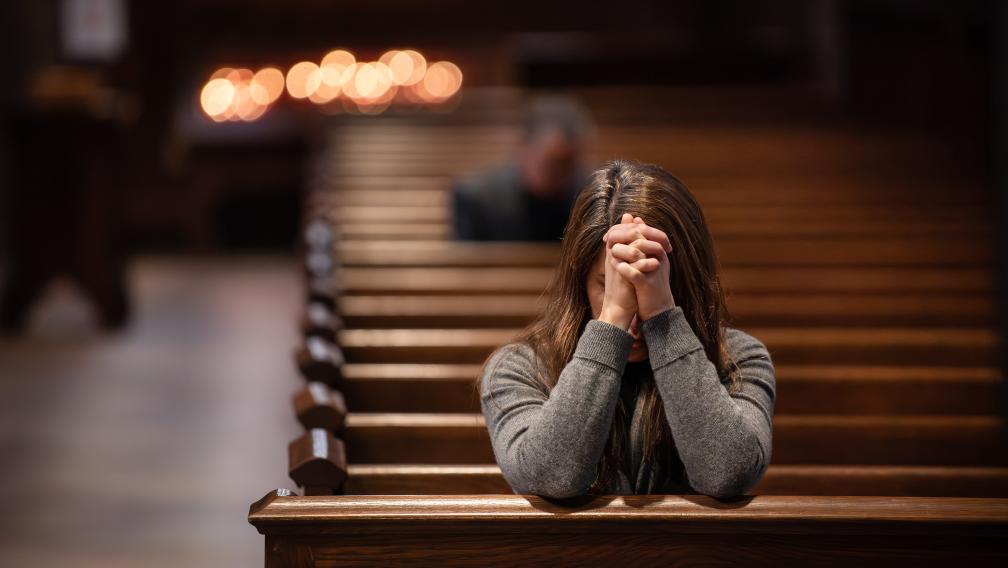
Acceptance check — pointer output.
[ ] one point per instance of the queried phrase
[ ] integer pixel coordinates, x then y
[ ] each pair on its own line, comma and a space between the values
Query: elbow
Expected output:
550, 478
732, 478
555, 483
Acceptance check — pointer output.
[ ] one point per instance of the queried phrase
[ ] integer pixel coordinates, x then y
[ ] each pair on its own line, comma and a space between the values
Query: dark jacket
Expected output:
494, 205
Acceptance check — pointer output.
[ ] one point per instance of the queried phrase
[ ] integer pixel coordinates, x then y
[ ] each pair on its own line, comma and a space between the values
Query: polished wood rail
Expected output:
508, 530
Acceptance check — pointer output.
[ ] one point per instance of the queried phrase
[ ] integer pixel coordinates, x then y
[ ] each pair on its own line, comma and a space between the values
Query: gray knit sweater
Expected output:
551, 445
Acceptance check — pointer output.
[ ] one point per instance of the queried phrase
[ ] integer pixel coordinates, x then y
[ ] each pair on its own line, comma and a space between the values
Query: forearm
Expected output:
724, 442
553, 448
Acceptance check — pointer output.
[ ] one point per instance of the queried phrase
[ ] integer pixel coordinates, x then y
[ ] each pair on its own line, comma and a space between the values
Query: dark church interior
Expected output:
254, 255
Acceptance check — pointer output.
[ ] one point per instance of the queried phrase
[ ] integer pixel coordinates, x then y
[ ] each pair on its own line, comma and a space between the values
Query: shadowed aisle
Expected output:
141, 448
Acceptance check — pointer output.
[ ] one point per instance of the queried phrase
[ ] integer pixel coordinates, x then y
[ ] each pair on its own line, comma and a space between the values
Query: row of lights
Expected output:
338, 83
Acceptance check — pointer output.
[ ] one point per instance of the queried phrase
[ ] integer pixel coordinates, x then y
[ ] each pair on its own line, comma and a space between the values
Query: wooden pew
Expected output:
817, 389
317, 406
319, 320
919, 481
814, 250
791, 252
508, 530
776, 280
475, 311
317, 462
320, 361
443, 230
722, 189
798, 439
382, 221
788, 346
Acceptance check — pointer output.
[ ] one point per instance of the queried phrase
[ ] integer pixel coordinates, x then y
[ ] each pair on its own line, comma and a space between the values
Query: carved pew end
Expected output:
319, 234
323, 288
320, 361
318, 406
319, 320
317, 462
319, 262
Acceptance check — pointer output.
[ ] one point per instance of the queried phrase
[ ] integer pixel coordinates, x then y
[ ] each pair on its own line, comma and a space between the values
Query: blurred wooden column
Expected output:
998, 160
68, 143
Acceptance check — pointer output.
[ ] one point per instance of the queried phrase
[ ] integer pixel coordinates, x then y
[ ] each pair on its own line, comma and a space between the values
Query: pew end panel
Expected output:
318, 406
320, 361
317, 462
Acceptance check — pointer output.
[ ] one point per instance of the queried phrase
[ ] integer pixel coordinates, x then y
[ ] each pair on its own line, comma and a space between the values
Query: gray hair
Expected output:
556, 113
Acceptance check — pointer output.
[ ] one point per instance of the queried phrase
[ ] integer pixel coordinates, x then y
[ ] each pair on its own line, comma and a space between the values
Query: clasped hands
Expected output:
636, 272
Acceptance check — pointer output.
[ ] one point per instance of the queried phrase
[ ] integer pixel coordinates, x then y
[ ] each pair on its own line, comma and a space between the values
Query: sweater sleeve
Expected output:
724, 440
551, 445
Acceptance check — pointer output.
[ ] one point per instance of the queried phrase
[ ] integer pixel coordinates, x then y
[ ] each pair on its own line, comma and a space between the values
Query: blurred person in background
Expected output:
530, 197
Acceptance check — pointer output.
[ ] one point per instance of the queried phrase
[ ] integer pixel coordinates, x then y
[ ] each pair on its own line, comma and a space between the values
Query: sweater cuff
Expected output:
605, 344
669, 337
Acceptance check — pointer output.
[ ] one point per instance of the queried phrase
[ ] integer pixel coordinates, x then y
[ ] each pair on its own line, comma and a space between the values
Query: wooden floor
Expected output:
142, 448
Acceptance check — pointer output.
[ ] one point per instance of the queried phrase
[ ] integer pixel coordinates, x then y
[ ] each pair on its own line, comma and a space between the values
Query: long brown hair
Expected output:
662, 201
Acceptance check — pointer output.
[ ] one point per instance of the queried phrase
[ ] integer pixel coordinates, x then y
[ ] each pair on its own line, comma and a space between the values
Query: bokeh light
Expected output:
217, 96
407, 67
335, 66
338, 83
303, 79
267, 85
372, 80
442, 80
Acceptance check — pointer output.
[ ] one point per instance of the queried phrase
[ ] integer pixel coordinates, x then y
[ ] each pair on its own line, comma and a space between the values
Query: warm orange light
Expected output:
324, 93
221, 73
303, 79
267, 85
442, 80
372, 80
217, 96
406, 67
337, 69
339, 81
255, 113
349, 81
338, 58
419, 67
240, 75
244, 106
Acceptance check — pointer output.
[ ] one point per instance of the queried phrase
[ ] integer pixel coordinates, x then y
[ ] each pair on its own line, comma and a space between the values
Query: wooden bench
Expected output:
430, 438
791, 252
788, 346
880, 326
508, 530
919, 481
817, 389
799, 281
513, 310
